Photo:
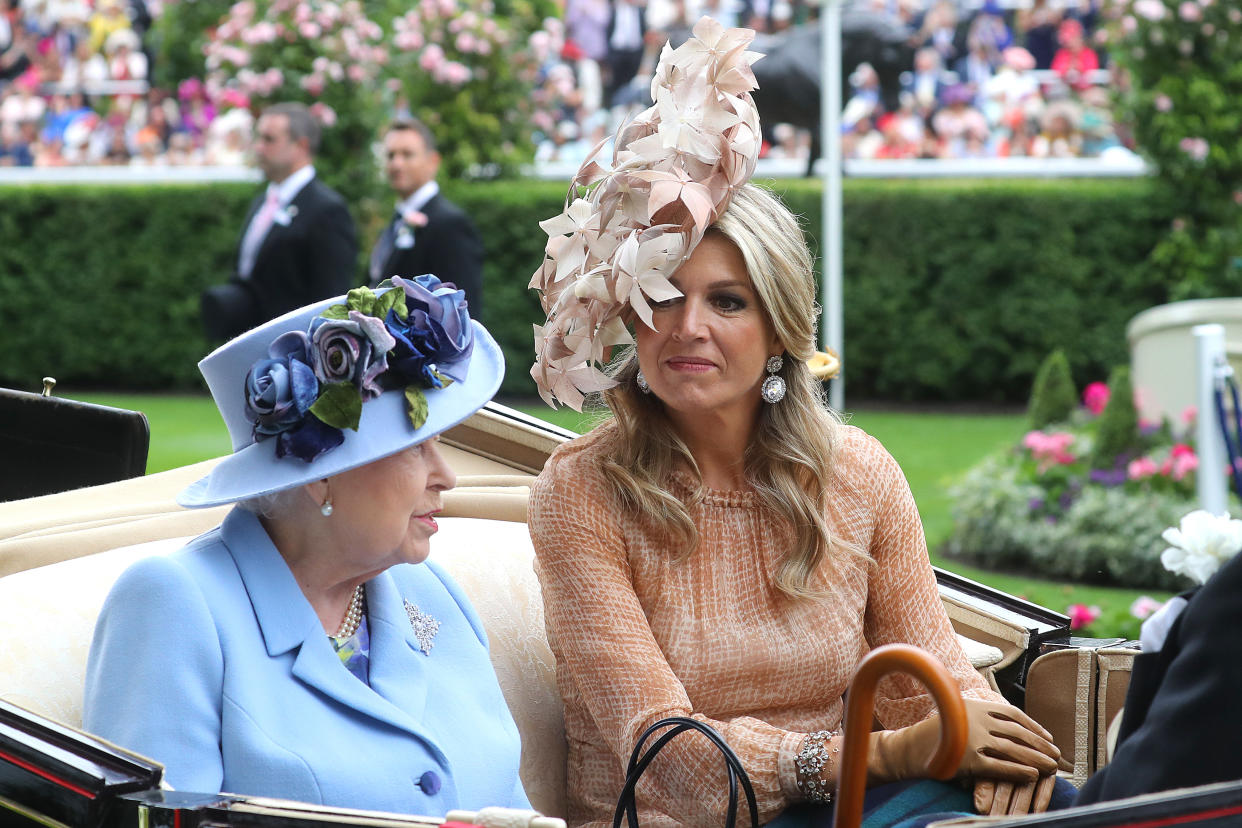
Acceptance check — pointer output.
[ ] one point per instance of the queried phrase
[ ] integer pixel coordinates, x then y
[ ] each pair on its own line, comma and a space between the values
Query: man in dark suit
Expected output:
427, 233
298, 243
1183, 721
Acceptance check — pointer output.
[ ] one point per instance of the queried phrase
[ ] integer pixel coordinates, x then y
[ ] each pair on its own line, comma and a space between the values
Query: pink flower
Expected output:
1184, 465
1190, 11
454, 73
314, 84
1151, 9
310, 30
1163, 103
414, 218
323, 113
1049, 449
1189, 414
1196, 148
1141, 468
1095, 397
408, 41
1128, 24
431, 58
1082, 615
356, 73
465, 42
1144, 606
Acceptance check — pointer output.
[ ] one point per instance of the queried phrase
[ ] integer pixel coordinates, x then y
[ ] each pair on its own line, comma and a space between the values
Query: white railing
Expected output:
98, 88
126, 175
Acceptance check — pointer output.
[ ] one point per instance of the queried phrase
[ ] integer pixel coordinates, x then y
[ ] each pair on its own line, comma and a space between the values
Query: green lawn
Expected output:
934, 449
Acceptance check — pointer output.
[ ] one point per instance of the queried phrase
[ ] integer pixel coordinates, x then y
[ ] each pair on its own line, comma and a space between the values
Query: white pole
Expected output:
832, 327
1211, 483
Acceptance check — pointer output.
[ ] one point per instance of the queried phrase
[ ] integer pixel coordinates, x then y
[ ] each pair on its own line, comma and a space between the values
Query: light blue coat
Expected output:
212, 662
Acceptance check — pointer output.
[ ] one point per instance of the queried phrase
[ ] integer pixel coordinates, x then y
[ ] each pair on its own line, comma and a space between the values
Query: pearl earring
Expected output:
326, 508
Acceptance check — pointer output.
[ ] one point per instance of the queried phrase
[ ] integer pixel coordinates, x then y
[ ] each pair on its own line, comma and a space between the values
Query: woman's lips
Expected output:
691, 365
429, 520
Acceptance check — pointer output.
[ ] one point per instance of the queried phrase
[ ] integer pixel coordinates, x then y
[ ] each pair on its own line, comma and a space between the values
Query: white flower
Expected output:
1201, 544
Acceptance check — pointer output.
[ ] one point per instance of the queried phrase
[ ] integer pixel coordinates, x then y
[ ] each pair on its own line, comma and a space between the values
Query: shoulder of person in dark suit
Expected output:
1184, 698
454, 249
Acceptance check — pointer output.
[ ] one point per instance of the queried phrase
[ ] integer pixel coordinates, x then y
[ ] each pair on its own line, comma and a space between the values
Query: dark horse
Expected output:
789, 74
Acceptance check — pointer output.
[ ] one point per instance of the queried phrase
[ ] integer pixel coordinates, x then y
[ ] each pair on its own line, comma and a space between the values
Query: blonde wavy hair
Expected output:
789, 459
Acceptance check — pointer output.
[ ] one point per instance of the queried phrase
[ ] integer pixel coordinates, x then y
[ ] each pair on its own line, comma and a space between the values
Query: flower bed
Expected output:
1052, 508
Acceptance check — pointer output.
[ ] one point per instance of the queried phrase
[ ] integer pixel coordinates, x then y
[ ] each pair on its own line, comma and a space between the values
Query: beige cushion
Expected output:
49, 613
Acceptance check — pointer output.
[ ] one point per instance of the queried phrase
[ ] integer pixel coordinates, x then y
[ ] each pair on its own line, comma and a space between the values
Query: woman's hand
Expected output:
998, 798
1002, 744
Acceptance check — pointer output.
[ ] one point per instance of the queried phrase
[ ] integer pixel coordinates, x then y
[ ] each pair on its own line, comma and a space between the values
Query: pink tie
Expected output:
263, 221
257, 232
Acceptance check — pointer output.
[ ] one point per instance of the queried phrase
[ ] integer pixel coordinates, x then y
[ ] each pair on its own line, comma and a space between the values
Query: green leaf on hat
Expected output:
339, 405
392, 300
415, 406
445, 382
362, 300
336, 312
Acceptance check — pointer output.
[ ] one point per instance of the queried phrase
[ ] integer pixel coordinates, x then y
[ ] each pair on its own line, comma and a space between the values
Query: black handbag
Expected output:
640, 759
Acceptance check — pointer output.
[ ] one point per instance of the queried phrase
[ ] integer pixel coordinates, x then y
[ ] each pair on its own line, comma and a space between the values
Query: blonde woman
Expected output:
723, 547
720, 551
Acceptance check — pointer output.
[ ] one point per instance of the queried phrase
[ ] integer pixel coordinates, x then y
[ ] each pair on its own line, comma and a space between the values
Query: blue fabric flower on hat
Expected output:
281, 389
436, 335
312, 385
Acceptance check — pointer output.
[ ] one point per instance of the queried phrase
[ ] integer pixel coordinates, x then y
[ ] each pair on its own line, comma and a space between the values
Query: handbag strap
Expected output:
640, 759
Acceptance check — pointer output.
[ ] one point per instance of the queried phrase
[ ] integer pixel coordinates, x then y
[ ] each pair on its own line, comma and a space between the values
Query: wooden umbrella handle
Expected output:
860, 712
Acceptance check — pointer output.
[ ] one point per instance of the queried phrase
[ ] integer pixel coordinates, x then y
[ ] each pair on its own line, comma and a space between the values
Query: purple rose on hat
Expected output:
280, 389
436, 334
352, 350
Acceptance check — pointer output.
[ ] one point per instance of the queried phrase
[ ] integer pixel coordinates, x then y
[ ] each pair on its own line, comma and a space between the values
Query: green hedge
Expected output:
953, 290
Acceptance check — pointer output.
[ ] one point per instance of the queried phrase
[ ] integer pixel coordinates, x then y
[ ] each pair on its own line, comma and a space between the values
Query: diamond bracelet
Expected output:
812, 758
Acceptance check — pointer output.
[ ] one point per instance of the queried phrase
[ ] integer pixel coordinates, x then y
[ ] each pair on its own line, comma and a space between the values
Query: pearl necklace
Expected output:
353, 616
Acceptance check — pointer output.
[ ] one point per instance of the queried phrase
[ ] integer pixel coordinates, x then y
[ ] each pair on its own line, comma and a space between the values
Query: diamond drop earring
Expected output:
641, 382
773, 388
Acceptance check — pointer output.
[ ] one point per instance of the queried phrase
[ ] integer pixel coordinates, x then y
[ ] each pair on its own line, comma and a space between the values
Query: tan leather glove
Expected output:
994, 798
1002, 743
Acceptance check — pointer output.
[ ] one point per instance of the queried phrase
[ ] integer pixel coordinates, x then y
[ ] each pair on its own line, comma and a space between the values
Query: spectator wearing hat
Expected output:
298, 243
1075, 60
1061, 134
125, 60
427, 233
109, 17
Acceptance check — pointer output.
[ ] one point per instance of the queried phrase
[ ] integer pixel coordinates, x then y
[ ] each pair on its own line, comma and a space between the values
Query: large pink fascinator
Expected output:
627, 227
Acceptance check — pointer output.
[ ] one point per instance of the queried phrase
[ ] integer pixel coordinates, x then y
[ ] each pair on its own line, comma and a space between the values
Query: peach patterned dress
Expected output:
638, 636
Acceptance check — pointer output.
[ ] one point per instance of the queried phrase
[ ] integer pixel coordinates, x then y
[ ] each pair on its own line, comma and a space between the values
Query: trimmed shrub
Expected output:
1118, 430
1053, 397
953, 290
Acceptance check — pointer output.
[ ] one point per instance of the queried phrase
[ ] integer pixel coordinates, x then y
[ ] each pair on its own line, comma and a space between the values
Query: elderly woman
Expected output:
306, 649
723, 547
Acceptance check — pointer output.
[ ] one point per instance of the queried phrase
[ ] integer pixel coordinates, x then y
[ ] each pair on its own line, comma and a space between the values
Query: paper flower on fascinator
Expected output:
629, 225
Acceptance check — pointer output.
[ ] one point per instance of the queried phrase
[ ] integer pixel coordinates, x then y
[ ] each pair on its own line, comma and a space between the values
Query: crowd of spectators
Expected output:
982, 81
1027, 80
74, 90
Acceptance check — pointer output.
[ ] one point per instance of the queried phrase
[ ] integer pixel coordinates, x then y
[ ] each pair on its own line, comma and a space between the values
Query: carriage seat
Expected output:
60, 554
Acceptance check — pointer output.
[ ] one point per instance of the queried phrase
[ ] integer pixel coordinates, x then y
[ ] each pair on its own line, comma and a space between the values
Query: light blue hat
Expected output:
402, 365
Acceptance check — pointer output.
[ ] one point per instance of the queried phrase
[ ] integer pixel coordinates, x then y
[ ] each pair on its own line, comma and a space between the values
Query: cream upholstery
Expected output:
60, 554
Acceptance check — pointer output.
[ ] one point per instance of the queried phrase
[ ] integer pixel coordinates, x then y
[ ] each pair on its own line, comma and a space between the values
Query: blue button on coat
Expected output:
212, 661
